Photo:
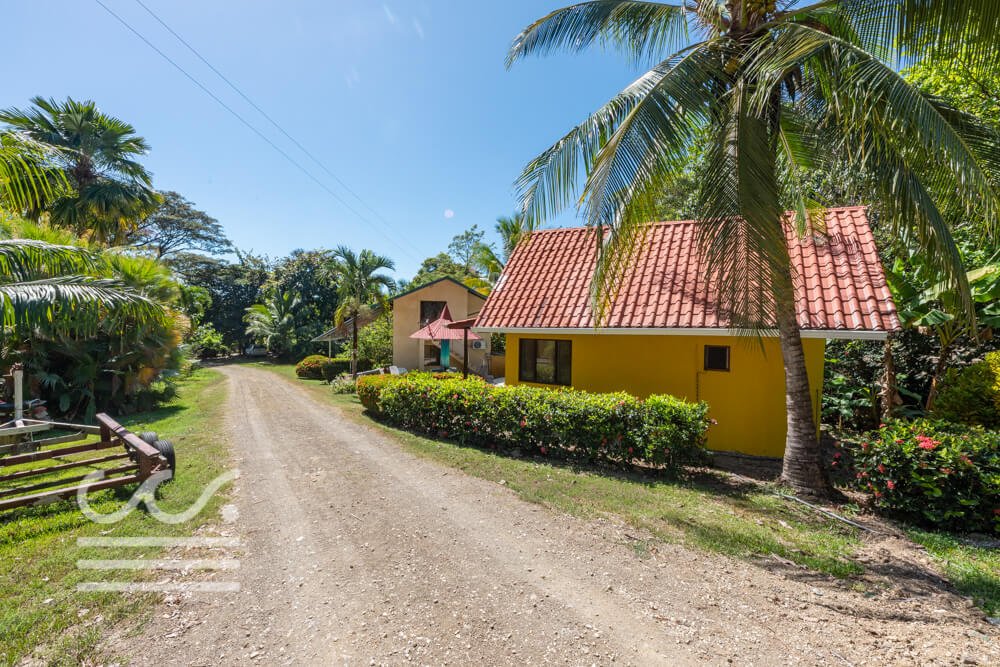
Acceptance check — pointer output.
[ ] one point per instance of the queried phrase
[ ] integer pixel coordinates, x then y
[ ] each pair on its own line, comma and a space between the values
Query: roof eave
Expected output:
830, 334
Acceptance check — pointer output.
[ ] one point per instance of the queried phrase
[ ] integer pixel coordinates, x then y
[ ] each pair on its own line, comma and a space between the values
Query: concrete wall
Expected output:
748, 401
409, 353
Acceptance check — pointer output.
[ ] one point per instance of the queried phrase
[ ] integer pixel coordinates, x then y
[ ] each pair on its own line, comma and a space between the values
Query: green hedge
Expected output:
934, 473
319, 367
662, 430
971, 395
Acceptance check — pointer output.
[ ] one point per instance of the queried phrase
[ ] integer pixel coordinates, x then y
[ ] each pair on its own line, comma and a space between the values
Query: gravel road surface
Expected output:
354, 552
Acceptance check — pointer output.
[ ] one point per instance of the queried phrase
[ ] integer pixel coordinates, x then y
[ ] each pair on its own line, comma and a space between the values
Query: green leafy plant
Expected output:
206, 343
662, 431
360, 286
273, 322
369, 389
318, 367
344, 385
933, 473
103, 190
971, 395
759, 95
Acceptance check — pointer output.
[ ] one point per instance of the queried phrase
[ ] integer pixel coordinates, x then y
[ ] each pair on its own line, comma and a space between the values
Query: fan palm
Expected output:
273, 322
512, 230
359, 286
51, 287
108, 189
771, 90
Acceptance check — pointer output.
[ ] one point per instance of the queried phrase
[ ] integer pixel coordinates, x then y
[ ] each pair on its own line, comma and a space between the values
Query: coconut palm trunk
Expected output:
802, 468
354, 346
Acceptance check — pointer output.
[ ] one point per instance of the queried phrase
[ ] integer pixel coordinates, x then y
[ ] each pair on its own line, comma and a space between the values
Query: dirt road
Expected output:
354, 552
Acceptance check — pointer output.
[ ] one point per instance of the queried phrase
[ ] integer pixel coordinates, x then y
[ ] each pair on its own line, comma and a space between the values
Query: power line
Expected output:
263, 113
252, 128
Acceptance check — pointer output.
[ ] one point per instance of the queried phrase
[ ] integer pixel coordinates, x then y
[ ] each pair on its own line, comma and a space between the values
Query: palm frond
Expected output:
643, 30
78, 304
928, 28
26, 260
548, 184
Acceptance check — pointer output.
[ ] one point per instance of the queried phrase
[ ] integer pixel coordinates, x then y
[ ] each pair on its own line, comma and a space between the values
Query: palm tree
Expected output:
771, 90
512, 230
359, 286
273, 322
50, 288
108, 190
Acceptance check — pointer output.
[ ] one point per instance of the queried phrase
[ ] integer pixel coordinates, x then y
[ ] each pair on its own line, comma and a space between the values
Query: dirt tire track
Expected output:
357, 552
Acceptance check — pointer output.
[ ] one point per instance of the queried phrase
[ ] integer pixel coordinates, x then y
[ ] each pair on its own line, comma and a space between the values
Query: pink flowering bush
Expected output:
935, 473
661, 431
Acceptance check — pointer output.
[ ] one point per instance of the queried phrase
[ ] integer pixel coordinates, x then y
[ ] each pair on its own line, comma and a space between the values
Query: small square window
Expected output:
716, 357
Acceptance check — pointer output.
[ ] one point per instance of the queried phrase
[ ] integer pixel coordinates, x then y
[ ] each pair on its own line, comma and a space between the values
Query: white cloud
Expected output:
449, 214
389, 15
352, 77
419, 27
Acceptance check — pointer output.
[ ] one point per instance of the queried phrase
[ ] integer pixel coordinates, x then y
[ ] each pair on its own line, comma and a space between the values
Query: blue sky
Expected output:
408, 102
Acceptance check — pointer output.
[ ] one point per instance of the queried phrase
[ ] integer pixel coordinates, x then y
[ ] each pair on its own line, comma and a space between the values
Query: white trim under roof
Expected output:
846, 334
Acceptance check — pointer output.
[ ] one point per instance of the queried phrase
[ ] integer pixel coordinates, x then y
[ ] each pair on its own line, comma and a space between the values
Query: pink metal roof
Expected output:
439, 329
840, 284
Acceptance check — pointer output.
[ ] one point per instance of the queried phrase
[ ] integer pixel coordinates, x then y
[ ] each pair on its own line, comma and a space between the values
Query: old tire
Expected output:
166, 449
150, 437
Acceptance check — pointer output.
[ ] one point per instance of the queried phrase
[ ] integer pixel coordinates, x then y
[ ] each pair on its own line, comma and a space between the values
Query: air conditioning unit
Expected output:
478, 345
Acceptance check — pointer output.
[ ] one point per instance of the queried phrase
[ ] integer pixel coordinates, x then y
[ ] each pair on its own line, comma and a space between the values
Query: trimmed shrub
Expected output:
369, 387
933, 473
335, 367
318, 367
971, 395
311, 368
661, 430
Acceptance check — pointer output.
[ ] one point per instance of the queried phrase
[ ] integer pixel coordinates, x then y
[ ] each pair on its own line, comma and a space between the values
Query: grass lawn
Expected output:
973, 570
41, 612
707, 512
701, 512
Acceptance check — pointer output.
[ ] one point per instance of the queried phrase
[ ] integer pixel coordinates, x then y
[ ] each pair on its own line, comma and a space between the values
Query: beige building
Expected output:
420, 306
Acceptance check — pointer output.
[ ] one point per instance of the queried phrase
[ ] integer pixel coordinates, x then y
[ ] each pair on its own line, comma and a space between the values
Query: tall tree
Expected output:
463, 246
176, 226
360, 286
107, 190
512, 230
273, 322
777, 88
442, 265
310, 273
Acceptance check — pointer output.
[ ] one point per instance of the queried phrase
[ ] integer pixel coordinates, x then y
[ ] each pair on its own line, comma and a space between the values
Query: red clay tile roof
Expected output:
841, 286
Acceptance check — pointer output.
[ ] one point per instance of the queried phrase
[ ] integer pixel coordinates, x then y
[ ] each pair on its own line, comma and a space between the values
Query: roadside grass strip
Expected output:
55, 611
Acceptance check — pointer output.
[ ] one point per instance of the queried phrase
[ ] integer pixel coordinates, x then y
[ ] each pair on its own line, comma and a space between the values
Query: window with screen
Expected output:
716, 357
430, 311
545, 361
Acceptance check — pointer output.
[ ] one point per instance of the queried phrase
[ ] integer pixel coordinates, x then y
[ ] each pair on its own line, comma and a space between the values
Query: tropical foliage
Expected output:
776, 88
272, 323
933, 473
360, 286
512, 230
175, 228
661, 431
102, 191
95, 329
971, 394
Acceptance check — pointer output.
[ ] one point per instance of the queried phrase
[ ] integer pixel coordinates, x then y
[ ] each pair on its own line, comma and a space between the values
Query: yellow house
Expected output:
664, 334
414, 309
